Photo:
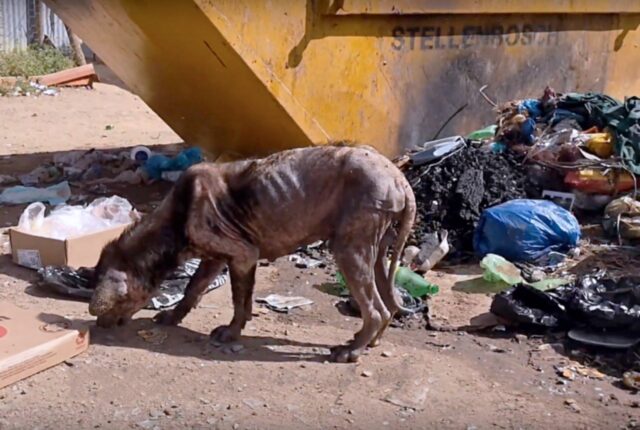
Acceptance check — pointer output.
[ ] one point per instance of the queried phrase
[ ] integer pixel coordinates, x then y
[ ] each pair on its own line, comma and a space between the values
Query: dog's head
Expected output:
119, 292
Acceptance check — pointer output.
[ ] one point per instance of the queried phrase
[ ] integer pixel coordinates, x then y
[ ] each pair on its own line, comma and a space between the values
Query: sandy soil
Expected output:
280, 379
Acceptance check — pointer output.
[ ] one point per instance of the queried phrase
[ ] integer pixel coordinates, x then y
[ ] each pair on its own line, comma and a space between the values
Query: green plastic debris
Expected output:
483, 134
499, 269
547, 284
405, 278
415, 284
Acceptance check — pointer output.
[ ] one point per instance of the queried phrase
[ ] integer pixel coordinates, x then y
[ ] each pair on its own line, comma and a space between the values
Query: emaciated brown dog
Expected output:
234, 214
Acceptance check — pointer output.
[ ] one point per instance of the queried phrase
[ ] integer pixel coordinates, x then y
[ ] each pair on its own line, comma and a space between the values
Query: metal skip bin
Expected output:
251, 77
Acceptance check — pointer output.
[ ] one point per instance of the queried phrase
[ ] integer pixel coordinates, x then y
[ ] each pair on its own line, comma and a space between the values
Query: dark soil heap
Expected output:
451, 194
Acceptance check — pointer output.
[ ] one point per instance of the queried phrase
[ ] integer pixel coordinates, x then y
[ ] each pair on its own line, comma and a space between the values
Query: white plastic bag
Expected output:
32, 217
69, 221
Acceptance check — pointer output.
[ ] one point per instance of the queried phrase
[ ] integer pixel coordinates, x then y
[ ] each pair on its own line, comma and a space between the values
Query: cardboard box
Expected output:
33, 251
31, 342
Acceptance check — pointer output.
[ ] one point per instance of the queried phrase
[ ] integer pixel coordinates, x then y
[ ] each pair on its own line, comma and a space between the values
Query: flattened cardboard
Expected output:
33, 251
31, 342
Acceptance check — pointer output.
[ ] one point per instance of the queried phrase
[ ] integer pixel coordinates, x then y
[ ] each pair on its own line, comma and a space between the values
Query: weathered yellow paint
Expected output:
488, 6
258, 76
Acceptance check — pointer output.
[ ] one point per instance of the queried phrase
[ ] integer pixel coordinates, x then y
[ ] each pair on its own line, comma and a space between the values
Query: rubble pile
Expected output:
451, 194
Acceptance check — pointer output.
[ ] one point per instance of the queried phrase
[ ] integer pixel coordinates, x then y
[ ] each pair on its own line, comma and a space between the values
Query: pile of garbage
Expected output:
581, 151
454, 190
585, 145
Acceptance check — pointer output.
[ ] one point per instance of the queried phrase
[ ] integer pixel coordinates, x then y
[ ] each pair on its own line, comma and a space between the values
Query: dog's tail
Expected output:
404, 230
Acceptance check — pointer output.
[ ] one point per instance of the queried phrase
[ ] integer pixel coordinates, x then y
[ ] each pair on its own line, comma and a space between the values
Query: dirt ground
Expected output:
280, 378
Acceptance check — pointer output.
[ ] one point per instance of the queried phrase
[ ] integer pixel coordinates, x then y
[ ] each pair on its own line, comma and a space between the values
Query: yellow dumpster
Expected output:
252, 77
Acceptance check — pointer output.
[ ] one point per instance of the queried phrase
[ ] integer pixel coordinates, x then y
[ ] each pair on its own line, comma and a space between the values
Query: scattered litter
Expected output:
171, 176
498, 269
432, 250
54, 195
416, 285
140, 154
486, 133
7, 180
412, 302
254, 404
573, 405
622, 218
367, 373
41, 175
279, 303
155, 336
435, 150
74, 283
411, 394
565, 200
613, 340
303, 262
631, 380
525, 230
566, 373
494, 348
158, 163
593, 301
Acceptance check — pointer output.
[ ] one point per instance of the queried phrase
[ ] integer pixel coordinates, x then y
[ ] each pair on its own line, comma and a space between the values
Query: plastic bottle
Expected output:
415, 284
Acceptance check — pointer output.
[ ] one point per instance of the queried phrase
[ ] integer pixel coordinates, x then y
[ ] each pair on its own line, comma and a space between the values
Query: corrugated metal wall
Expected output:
17, 25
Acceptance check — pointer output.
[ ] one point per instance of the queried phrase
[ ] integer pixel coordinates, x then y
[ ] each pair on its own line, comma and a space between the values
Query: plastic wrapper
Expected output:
54, 195
69, 221
75, 283
593, 301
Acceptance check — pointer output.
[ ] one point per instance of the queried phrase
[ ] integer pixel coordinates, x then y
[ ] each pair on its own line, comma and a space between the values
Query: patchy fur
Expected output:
236, 213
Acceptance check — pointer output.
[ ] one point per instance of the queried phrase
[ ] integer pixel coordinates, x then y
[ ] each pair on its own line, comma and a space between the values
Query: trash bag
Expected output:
525, 304
525, 230
594, 301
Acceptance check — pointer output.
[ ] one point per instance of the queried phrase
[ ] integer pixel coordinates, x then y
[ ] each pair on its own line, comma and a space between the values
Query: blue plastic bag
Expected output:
158, 163
526, 230
532, 106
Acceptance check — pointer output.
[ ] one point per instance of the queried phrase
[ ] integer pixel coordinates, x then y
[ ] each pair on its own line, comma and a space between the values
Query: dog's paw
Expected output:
224, 334
344, 354
167, 317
